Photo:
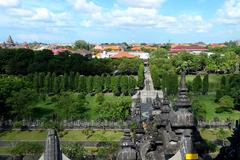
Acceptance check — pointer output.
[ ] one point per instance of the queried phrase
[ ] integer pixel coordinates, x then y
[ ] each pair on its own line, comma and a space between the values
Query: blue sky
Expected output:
98, 21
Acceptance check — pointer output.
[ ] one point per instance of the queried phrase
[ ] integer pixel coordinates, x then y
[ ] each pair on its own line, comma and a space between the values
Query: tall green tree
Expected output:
141, 76
97, 84
36, 81
53, 77
172, 83
71, 81
197, 85
47, 83
56, 84
76, 81
205, 85
131, 84
89, 84
82, 86
115, 82
124, 85
41, 80
155, 77
107, 83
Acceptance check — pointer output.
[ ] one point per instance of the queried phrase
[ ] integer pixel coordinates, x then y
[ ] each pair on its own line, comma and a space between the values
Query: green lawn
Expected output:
212, 134
96, 136
23, 135
5, 151
73, 135
210, 106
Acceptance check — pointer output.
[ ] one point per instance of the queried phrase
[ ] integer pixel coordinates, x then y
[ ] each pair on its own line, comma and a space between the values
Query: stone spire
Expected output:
183, 101
158, 98
52, 146
10, 42
166, 104
127, 151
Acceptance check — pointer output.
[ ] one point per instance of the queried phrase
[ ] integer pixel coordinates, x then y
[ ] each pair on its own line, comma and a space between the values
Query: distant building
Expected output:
83, 52
114, 55
113, 48
123, 55
136, 48
59, 50
98, 48
217, 46
188, 48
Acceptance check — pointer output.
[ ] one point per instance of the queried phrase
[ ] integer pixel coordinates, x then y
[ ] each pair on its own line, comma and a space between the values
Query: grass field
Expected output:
210, 106
5, 150
23, 135
73, 135
212, 134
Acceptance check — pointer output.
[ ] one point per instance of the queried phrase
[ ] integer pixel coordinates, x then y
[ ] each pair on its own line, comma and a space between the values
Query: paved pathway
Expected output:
148, 93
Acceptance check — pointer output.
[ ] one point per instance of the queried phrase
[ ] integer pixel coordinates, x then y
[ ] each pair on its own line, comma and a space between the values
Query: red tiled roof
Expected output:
123, 55
217, 46
191, 48
59, 50
113, 47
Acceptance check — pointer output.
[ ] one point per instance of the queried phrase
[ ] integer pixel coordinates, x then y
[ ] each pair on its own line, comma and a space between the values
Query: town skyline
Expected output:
98, 21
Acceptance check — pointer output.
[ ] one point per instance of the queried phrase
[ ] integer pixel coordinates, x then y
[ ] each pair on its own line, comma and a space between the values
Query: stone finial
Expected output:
126, 140
128, 151
183, 100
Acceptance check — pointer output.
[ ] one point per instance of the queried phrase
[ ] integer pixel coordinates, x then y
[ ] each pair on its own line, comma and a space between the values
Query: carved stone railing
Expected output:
70, 124
216, 124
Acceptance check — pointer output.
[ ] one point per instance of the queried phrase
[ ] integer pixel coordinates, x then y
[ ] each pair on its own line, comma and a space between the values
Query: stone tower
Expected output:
9, 42
52, 146
127, 151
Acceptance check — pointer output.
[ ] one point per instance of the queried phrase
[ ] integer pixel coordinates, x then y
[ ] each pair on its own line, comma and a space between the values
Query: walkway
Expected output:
147, 94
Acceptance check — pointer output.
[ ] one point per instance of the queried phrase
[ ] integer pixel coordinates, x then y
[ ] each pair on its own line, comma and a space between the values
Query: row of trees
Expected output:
26, 61
199, 86
50, 83
20, 96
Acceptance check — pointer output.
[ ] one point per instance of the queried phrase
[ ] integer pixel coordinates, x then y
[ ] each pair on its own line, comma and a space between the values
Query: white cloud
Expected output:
138, 13
142, 3
42, 14
39, 14
187, 23
85, 6
230, 12
9, 3
150, 18
86, 23
20, 12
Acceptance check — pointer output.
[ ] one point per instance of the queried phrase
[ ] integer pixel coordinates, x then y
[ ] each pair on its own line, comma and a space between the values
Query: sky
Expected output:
132, 21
